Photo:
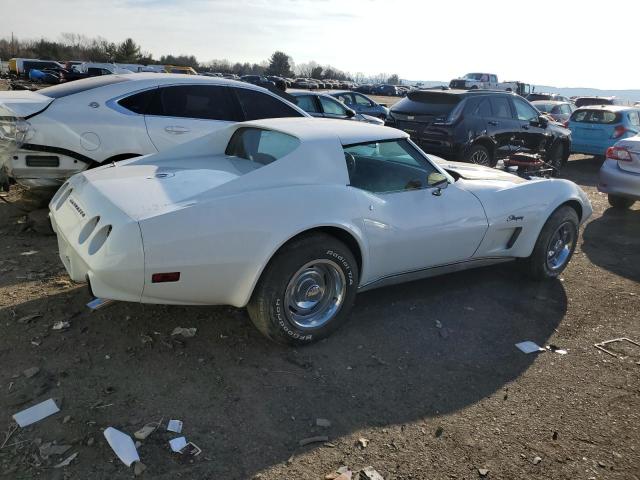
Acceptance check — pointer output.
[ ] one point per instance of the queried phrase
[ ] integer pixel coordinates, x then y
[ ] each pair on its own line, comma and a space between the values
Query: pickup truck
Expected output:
489, 81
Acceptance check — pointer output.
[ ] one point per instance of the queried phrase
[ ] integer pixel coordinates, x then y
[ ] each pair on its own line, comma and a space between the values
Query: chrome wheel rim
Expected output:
480, 157
315, 294
560, 246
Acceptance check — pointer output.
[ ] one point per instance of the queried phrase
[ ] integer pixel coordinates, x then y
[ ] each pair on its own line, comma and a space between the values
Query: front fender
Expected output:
527, 206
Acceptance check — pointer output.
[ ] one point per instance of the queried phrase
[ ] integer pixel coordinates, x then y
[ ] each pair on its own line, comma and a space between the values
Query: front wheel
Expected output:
555, 245
306, 291
620, 202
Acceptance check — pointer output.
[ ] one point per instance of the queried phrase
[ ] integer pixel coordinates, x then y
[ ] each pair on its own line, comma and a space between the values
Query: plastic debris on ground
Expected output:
36, 413
529, 347
61, 325
174, 426
67, 461
184, 332
370, 473
122, 445
145, 431
191, 449
98, 303
554, 349
177, 444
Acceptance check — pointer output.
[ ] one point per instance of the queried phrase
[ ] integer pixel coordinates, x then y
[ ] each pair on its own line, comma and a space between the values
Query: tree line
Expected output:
72, 46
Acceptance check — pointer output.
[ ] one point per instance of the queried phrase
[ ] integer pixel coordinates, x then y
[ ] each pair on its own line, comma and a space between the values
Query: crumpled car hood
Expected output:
469, 171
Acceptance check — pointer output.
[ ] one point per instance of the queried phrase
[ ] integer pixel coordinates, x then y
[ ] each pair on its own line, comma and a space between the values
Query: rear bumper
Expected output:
115, 268
25, 166
615, 181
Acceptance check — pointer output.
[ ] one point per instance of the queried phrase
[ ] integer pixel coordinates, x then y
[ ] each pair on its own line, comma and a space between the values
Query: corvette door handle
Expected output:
176, 129
493, 123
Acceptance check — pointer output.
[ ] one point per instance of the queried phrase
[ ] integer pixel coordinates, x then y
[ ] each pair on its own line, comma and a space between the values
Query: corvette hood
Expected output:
143, 190
470, 171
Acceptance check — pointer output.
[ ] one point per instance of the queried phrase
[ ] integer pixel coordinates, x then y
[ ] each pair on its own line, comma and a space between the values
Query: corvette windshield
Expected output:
260, 146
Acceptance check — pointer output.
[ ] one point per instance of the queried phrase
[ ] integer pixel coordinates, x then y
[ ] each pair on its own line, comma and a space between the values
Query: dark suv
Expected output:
478, 126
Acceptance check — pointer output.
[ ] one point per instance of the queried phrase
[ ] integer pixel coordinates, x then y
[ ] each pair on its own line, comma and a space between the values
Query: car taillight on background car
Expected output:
619, 131
618, 153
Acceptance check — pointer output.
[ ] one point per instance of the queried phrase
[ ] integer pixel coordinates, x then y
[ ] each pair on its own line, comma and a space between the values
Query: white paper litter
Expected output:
36, 413
174, 426
529, 347
122, 445
177, 444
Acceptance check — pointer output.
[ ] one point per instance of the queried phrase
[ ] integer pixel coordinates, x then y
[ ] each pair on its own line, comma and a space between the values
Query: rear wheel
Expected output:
306, 291
480, 155
620, 202
555, 245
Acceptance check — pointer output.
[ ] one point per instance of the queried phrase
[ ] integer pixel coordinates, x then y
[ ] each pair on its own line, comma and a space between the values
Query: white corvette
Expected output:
291, 217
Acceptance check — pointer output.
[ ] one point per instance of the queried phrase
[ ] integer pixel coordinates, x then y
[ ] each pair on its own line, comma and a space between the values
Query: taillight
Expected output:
619, 131
566, 124
165, 277
618, 153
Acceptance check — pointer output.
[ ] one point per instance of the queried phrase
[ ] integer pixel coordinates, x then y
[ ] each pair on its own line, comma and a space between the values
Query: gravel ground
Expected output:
426, 372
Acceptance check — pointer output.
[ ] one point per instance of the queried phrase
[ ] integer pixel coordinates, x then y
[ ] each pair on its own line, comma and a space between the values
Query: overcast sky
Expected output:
558, 43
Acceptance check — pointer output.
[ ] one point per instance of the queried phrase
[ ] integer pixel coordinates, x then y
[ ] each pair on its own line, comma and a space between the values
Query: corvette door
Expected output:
180, 113
411, 225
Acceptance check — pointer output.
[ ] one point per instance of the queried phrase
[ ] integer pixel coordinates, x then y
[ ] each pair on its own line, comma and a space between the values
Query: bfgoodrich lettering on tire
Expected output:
306, 291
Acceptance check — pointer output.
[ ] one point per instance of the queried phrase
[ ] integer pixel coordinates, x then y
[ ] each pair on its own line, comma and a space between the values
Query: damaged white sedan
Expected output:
292, 217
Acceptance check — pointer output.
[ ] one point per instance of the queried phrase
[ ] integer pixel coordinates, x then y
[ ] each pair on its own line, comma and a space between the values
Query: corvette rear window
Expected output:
79, 86
260, 146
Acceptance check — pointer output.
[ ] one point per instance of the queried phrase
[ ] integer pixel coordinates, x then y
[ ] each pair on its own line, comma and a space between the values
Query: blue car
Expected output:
596, 128
362, 104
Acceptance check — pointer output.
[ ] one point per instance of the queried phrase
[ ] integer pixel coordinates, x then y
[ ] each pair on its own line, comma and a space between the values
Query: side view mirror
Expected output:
350, 113
542, 121
438, 181
381, 104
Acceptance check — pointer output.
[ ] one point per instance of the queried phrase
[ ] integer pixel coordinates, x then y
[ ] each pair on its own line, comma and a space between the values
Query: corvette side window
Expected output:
260, 146
388, 166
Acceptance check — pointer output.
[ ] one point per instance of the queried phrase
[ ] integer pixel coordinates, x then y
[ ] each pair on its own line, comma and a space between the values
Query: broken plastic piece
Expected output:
177, 444
145, 431
184, 332
529, 347
98, 303
191, 449
174, 426
67, 461
122, 445
554, 349
36, 413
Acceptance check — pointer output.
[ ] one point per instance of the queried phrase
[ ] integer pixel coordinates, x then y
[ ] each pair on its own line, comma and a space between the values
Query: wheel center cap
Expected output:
313, 291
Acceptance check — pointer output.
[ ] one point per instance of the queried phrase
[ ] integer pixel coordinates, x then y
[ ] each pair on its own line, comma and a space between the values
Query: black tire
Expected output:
539, 263
269, 307
480, 155
556, 159
620, 202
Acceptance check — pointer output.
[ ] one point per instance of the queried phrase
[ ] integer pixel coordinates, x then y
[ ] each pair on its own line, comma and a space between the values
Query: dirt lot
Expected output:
433, 403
